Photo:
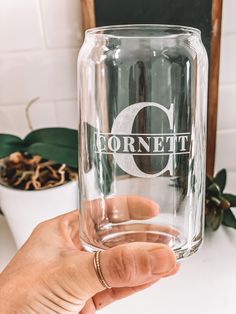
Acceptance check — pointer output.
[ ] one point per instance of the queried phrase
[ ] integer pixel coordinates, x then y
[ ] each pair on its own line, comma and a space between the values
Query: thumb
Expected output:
127, 265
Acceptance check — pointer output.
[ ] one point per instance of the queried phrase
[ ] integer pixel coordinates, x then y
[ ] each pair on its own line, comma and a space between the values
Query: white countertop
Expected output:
206, 283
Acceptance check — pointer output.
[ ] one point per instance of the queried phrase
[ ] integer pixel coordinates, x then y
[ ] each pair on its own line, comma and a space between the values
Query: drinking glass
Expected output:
142, 93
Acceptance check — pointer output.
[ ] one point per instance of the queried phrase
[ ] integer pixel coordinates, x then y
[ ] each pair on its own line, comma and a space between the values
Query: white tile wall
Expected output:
39, 41
42, 114
66, 113
228, 60
20, 25
229, 23
62, 23
58, 113
231, 184
12, 120
49, 74
226, 142
227, 107
226, 136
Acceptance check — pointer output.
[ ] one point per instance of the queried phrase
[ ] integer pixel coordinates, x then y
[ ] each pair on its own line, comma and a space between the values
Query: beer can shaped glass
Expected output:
142, 93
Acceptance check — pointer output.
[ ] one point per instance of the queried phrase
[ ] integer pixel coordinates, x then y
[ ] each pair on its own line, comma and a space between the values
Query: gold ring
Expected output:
98, 270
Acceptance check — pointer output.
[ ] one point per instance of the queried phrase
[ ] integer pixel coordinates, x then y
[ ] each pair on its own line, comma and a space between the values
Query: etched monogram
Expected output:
124, 144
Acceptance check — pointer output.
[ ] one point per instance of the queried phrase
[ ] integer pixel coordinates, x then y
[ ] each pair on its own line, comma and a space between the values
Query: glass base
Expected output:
178, 244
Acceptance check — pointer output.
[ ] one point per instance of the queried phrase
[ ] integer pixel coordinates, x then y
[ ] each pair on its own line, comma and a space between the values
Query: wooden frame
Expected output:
213, 83
88, 14
89, 21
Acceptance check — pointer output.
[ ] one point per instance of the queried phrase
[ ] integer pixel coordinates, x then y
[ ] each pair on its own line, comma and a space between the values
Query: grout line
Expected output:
231, 170
226, 131
231, 84
7, 52
22, 51
64, 100
224, 83
23, 103
228, 33
61, 47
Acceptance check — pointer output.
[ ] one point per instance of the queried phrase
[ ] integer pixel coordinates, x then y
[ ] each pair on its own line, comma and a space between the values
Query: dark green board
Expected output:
195, 13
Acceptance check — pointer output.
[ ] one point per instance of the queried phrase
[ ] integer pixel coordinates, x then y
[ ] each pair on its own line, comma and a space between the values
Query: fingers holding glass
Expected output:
115, 213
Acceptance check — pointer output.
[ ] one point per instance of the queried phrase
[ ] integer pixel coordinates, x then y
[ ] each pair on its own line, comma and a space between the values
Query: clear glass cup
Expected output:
143, 105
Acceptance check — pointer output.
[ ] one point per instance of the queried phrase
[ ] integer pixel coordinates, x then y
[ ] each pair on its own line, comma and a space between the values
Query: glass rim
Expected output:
184, 30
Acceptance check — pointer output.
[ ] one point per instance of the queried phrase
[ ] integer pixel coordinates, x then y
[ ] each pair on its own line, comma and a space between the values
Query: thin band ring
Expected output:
98, 270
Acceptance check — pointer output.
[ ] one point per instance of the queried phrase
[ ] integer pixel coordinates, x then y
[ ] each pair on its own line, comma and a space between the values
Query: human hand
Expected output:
52, 274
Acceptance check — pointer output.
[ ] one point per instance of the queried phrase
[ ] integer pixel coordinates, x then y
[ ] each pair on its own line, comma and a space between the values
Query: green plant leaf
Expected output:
231, 198
220, 179
56, 144
9, 139
61, 137
209, 181
214, 190
61, 155
10, 144
215, 200
214, 219
6, 150
217, 221
229, 219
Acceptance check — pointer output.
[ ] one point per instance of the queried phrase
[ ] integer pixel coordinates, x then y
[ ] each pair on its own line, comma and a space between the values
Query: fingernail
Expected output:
163, 261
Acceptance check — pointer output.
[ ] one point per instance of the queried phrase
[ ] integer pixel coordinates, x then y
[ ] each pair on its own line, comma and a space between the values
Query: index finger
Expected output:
131, 207
122, 208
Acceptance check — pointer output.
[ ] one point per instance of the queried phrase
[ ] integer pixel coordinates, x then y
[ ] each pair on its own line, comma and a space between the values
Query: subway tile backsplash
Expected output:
62, 23
226, 135
227, 107
228, 60
49, 74
39, 42
20, 25
225, 153
12, 120
58, 113
229, 9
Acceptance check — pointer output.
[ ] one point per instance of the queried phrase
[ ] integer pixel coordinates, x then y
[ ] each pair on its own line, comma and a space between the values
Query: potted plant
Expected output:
219, 204
38, 178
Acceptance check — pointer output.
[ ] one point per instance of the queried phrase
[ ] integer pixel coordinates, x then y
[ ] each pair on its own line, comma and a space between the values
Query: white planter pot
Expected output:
24, 210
